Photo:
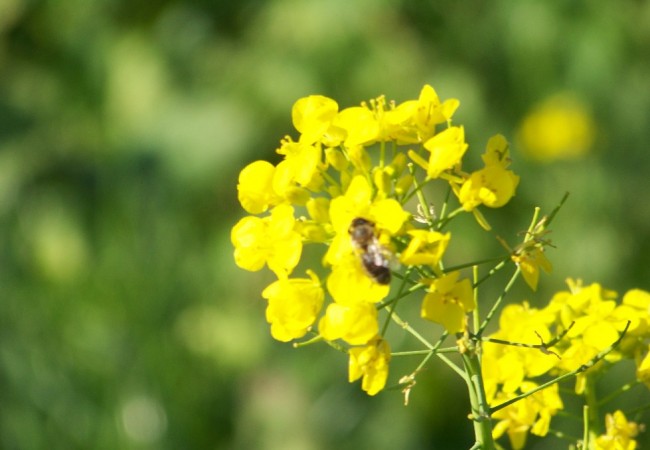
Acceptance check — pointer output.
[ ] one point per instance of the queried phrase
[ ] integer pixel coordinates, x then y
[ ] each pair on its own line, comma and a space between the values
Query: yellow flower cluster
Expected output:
619, 434
585, 321
345, 184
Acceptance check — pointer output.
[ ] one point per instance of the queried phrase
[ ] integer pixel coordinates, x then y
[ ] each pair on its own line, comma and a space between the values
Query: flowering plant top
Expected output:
355, 182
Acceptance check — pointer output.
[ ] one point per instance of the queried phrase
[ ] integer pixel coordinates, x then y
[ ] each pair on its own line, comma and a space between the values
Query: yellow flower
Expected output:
446, 149
255, 187
387, 214
312, 117
643, 370
370, 362
596, 323
425, 248
271, 240
304, 165
494, 185
530, 262
619, 434
349, 284
355, 324
293, 305
431, 112
532, 413
638, 301
360, 124
425, 113
507, 365
561, 127
448, 302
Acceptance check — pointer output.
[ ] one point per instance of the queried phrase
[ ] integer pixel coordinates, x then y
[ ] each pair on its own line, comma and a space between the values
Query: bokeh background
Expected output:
124, 323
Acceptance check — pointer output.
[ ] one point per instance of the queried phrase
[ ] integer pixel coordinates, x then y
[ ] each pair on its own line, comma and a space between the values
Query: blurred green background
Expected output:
124, 323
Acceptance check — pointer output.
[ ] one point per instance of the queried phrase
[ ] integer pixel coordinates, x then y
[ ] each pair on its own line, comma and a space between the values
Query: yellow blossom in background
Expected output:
532, 414
371, 363
620, 433
560, 127
448, 302
293, 306
506, 366
643, 369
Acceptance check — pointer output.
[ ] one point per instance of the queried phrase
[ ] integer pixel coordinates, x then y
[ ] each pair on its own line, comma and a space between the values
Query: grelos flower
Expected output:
271, 240
293, 306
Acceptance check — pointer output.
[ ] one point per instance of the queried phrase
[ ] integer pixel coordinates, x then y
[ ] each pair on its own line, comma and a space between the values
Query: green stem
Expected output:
588, 365
593, 427
479, 403
497, 303
420, 195
626, 387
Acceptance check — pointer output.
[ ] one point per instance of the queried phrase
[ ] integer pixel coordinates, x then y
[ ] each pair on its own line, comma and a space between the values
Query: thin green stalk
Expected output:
592, 403
497, 303
420, 195
580, 369
479, 404
626, 387
426, 352
394, 305
476, 315
585, 428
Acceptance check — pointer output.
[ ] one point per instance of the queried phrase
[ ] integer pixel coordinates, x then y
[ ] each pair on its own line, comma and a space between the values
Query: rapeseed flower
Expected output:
620, 433
293, 306
349, 165
448, 302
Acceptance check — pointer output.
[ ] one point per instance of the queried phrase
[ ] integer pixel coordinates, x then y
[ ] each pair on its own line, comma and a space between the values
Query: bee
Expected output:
375, 258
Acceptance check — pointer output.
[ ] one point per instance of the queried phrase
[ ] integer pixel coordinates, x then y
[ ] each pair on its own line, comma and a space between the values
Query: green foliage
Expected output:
123, 321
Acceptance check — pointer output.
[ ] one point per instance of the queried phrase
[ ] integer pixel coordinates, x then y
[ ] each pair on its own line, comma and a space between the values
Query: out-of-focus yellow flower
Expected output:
255, 188
620, 433
371, 363
293, 305
639, 301
425, 248
271, 240
532, 413
355, 324
506, 366
560, 127
643, 369
448, 302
